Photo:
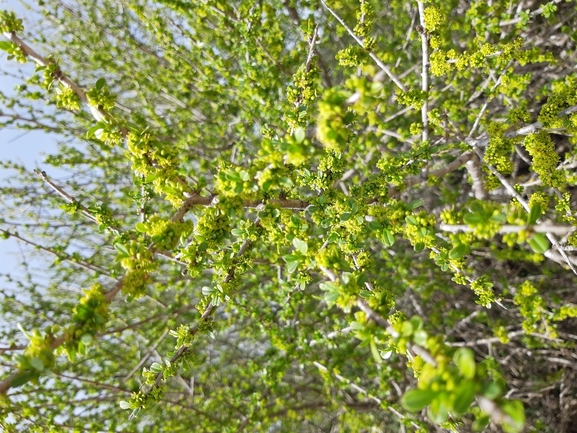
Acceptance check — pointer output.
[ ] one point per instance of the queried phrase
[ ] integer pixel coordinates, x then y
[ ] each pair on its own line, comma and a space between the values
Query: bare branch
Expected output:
546, 227
424, 71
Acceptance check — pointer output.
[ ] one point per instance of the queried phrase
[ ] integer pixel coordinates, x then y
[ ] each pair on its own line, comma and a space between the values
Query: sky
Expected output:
24, 147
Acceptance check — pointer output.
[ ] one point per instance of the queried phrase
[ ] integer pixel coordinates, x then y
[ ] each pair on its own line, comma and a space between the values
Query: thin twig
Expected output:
525, 130
424, 72
312, 48
65, 195
526, 206
147, 355
6, 384
372, 55
364, 392
97, 112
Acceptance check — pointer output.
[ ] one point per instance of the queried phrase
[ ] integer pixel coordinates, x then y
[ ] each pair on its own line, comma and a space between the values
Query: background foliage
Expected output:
292, 216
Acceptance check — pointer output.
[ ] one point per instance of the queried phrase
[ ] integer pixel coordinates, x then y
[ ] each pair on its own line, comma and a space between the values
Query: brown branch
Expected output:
81, 263
38, 59
11, 348
64, 194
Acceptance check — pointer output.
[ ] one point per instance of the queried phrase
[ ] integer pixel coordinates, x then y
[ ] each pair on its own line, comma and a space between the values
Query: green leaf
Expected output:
286, 182
463, 396
388, 238
124, 404
36, 363
237, 232
206, 291
407, 329
90, 133
22, 378
516, 423
81, 348
331, 297
410, 219
345, 216
473, 219
420, 337
292, 266
492, 390
415, 204
464, 359
481, 422
417, 322
121, 248
415, 400
300, 135
87, 339
459, 251
141, 227
156, 367
498, 218
539, 243
244, 176
267, 185
534, 214
419, 246
233, 176
374, 225
438, 411
375, 351
100, 83
301, 246
477, 207
6, 46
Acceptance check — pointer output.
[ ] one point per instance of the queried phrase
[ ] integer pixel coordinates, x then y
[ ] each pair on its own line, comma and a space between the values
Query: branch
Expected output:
545, 227
525, 130
97, 112
65, 195
525, 205
6, 384
418, 179
183, 349
363, 391
147, 355
294, 14
211, 308
424, 71
312, 48
474, 168
63, 256
372, 55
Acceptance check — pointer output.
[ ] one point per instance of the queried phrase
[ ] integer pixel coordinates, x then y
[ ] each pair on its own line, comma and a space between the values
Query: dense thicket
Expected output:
294, 215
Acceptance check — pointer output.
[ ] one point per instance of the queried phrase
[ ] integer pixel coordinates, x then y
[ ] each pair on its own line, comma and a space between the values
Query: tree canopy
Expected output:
291, 216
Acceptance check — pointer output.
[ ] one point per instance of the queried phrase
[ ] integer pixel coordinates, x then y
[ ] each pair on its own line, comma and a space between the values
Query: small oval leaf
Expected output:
417, 399
539, 243
464, 358
459, 251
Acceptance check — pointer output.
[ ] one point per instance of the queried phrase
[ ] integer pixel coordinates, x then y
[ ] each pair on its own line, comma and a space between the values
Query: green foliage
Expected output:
259, 194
